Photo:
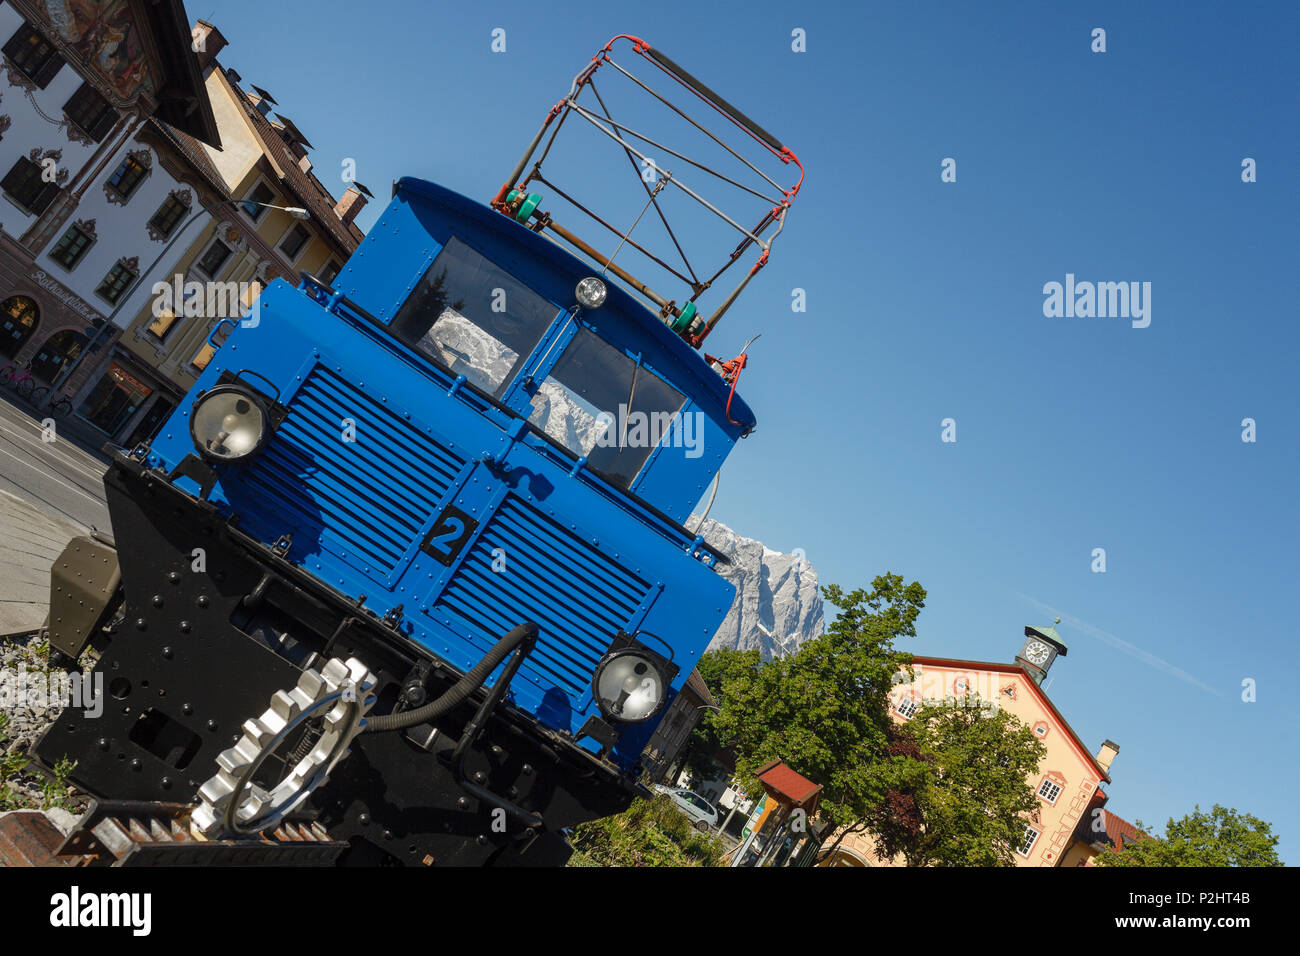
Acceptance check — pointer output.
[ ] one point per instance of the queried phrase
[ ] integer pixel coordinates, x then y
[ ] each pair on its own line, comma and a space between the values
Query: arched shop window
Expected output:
19, 317
59, 349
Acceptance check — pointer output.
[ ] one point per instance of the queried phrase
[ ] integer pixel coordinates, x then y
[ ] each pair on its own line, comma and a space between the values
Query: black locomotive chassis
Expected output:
200, 652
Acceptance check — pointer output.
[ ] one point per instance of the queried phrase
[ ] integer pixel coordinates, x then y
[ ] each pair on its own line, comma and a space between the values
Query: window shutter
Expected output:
14, 178
47, 71
104, 124
45, 197
14, 43
76, 97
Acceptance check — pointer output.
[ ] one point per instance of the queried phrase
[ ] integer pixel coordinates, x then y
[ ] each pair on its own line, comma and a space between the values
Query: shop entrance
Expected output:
113, 400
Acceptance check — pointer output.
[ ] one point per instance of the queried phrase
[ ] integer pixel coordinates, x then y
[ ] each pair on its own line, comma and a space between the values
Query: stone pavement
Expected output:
30, 540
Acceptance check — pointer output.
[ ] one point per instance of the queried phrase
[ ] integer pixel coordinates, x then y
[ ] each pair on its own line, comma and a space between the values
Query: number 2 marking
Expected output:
449, 535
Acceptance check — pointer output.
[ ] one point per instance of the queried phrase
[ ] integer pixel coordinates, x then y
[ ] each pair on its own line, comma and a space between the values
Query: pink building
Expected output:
1068, 779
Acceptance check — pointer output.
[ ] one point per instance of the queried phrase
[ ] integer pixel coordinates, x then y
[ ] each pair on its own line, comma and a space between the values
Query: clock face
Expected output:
1036, 652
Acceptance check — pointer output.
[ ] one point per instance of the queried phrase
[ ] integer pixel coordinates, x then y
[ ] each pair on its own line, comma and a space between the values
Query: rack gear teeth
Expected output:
340, 694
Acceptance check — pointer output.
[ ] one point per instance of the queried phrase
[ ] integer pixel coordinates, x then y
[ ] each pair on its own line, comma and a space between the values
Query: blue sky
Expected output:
925, 302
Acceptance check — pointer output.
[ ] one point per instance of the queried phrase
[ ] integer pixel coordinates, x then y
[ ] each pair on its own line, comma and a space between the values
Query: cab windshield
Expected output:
470, 315
600, 403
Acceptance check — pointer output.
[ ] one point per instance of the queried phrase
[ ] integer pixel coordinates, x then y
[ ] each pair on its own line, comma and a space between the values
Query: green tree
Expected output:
715, 668
1222, 837
649, 833
958, 790
824, 709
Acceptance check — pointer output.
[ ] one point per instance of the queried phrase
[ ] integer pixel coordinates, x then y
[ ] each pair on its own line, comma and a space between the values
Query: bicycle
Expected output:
21, 380
61, 406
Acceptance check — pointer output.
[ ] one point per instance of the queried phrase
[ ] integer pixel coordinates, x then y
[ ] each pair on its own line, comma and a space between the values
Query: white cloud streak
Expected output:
1132, 650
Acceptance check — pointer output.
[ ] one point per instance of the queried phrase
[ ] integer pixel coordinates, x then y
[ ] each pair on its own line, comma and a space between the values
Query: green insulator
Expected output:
683, 321
526, 208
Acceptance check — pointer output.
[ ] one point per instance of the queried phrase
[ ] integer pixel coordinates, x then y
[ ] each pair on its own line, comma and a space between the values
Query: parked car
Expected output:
703, 815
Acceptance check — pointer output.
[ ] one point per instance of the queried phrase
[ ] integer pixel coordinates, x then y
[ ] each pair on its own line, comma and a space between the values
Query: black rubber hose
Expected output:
472, 681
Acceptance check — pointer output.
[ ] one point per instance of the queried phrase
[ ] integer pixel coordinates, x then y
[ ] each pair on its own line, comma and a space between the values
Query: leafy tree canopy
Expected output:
1222, 837
958, 791
824, 709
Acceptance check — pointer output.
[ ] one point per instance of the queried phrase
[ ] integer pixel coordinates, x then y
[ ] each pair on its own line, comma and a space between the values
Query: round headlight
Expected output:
228, 423
591, 293
628, 686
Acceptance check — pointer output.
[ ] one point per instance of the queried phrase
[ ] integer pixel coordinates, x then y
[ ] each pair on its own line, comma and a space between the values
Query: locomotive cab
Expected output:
470, 443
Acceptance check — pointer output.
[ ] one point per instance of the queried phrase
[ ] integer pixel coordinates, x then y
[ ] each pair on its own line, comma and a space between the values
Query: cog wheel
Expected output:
339, 695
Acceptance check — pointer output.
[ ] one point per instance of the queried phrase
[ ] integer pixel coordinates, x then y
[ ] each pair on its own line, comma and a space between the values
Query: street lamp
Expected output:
66, 373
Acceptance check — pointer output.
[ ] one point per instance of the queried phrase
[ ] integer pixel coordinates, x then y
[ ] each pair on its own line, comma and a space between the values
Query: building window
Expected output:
18, 320
25, 186
214, 259
1041, 729
33, 55
167, 216
1028, 841
127, 177
260, 194
1049, 790
907, 707
202, 357
162, 325
330, 272
69, 250
293, 243
117, 281
92, 114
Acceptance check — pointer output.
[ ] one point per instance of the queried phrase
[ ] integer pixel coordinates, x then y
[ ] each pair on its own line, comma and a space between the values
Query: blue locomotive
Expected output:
465, 467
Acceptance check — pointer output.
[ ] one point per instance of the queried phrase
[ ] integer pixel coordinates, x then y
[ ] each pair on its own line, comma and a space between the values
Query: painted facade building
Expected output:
1068, 780
132, 161
220, 272
81, 180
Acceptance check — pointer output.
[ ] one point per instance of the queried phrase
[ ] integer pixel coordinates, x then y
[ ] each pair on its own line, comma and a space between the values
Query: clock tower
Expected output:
1042, 646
